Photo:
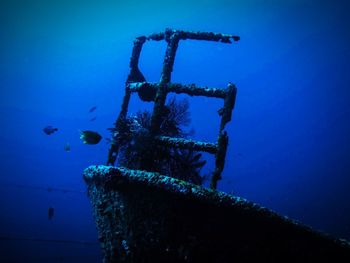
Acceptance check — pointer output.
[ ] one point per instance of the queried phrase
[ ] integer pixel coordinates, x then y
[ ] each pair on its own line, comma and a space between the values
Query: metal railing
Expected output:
157, 92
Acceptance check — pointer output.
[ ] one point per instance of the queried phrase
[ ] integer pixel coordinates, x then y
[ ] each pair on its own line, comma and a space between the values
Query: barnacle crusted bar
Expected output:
187, 144
194, 90
189, 89
160, 97
210, 36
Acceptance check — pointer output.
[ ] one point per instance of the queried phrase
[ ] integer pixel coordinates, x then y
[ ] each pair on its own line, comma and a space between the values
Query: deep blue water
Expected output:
289, 136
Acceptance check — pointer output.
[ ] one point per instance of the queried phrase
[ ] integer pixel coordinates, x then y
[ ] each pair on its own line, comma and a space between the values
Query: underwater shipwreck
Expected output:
148, 202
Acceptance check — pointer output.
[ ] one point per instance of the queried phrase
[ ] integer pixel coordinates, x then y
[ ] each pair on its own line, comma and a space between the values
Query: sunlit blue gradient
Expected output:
289, 136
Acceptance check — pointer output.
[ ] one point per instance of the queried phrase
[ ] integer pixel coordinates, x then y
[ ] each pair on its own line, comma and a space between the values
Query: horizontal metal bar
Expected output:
224, 38
190, 89
194, 90
194, 35
187, 144
156, 36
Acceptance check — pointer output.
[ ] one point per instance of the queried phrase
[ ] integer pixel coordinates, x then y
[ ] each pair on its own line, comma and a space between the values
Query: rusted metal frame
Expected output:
164, 86
219, 149
187, 144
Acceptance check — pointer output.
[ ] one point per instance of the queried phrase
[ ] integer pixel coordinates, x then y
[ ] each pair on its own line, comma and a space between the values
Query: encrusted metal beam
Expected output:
220, 156
146, 90
134, 75
159, 101
229, 103
194, 35
193, 90
187, 144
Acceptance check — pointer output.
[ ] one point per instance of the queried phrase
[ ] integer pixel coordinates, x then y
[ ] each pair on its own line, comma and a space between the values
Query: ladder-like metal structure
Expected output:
157, 92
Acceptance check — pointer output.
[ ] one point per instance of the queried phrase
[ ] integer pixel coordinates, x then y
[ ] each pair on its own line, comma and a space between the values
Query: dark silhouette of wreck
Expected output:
143, 216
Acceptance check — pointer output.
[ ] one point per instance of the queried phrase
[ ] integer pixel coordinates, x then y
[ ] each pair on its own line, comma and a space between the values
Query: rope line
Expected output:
37, 187
64, 241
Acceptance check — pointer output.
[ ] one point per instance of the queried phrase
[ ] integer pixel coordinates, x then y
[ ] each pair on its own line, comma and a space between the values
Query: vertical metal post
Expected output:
226, 113
134, 75
173, 40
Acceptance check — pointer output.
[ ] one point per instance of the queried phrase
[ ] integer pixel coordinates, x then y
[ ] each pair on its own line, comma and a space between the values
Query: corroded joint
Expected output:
229, 103
146, 91
168, 34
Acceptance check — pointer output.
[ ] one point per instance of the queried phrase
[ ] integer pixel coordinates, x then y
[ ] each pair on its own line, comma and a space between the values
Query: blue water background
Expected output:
289, 136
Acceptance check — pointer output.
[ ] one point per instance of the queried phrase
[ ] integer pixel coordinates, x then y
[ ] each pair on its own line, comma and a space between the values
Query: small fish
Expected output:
90, 137
50, 212
49, 130
93, 109
67, 147
92, 119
